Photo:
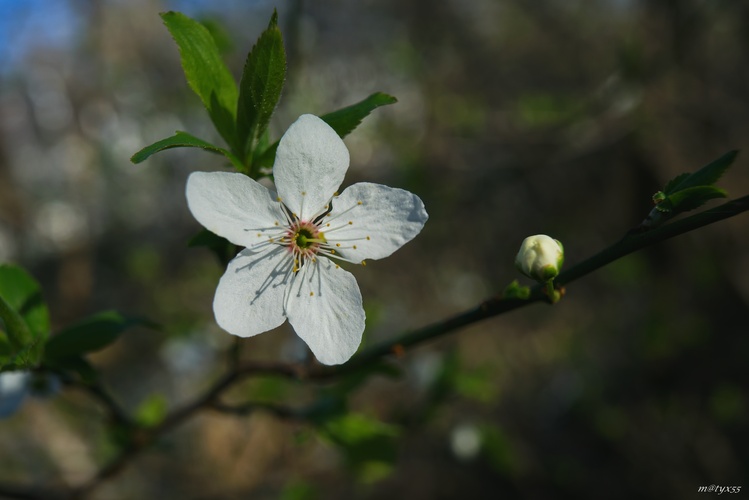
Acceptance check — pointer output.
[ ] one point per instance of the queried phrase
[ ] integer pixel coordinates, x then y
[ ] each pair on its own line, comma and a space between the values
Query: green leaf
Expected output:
671, 186
182, 139
706, 176
91, 334
343, 121
260, 88
205, 71
365, 442
24, 295
24, 316
692, 197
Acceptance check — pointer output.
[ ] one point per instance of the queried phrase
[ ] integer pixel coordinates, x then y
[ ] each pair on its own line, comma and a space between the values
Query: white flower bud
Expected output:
540, 258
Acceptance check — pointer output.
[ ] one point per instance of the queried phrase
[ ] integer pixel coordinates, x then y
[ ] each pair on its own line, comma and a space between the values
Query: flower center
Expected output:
303, 239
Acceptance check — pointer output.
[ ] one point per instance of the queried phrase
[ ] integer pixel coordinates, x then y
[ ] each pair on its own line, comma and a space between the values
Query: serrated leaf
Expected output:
706, 176
693, 197
182, 139
205, 71
343, 121
261, 85
671, 186
92, 334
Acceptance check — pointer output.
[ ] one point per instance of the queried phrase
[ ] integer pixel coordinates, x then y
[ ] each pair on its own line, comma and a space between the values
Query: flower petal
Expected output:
233, 206
371, 221
249, 298
325, 309
310, 164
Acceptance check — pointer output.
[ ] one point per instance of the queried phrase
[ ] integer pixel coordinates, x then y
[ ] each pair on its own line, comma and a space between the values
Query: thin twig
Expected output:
142, 437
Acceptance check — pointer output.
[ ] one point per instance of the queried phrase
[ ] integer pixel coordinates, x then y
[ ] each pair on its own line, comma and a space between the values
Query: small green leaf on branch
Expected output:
205, 71
343, 121
182, 139
260, 88
92, 334
688, 191
24, 316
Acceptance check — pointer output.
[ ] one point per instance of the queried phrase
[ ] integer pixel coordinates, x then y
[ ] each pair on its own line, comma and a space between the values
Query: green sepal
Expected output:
92, 334
205, 71
260, 88
24, 316
182, 139
343, 121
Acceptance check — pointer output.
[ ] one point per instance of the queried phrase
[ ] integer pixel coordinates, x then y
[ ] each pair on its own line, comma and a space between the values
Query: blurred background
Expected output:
514, 118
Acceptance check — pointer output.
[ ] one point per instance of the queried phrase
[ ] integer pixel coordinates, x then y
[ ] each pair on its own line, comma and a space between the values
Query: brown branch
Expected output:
141, 438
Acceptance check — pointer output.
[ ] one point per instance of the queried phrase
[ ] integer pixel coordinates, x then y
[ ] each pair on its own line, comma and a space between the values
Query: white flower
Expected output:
540, 257
294, 237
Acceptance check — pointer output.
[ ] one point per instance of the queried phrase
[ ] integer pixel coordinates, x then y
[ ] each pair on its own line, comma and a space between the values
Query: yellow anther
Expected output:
354, 247
367, 238
363, 263
350, 222
327, 225
312, 294
358, 203
304, 193
337, 266
259, 235
337, 244
278, 198
332, 251
335, 194
275, 223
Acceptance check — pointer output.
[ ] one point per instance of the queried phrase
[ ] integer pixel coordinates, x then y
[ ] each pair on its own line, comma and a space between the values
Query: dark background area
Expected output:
514, 118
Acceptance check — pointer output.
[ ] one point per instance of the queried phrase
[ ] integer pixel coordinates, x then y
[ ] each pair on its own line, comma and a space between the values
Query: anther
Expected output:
312, 294
363, 263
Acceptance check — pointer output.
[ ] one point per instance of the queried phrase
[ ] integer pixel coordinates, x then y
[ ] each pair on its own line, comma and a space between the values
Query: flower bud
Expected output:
540, 258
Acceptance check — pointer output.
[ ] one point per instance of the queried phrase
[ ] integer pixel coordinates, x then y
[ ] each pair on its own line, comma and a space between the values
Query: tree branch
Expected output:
141, 438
